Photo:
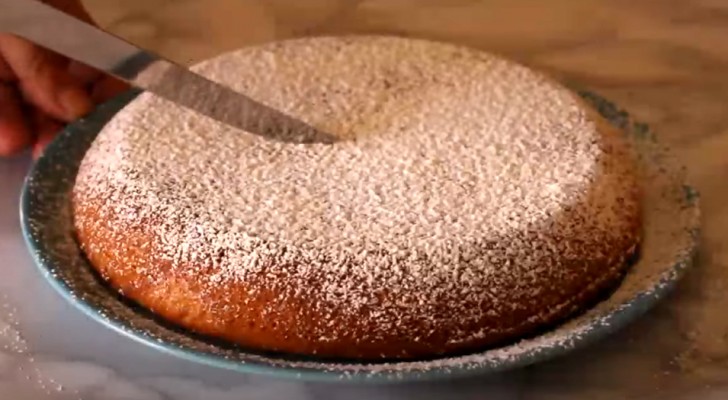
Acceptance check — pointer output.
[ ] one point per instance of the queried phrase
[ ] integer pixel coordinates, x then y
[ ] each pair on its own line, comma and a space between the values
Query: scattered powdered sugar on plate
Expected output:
670, 234
18, 364
27, 374
11, 340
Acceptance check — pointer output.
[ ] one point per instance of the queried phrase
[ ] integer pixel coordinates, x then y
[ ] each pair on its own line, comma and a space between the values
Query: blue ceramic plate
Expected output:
670, 234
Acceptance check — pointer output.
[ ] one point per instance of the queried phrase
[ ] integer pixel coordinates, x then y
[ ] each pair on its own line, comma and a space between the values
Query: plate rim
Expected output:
609, 323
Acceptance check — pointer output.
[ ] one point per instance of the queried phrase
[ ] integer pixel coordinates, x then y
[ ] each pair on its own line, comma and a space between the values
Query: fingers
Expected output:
44, 80
102, 87
83, 74
106, 88
6, 74
15, 134
40, 91
46, 129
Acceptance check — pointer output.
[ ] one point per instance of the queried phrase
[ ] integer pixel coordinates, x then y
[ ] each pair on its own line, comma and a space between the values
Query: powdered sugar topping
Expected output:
460, 183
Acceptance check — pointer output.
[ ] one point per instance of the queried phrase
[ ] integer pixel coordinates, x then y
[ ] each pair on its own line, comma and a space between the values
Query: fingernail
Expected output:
37, 152
76, 103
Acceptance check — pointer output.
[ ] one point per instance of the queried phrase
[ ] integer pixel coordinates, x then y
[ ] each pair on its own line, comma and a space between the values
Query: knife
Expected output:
71, 37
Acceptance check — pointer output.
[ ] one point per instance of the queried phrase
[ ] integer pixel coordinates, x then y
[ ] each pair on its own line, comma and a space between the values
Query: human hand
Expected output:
41, 91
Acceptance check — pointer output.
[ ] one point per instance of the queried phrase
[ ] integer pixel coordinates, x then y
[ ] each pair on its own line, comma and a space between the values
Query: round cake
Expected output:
468, 203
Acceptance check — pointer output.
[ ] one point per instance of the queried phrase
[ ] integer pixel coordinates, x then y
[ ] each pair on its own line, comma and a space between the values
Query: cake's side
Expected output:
401, 245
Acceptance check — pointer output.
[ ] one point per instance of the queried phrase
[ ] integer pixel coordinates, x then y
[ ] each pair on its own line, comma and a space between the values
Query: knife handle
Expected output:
66, 35
76, 39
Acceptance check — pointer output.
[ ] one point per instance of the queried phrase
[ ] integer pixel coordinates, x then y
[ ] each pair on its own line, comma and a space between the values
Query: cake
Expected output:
469, 202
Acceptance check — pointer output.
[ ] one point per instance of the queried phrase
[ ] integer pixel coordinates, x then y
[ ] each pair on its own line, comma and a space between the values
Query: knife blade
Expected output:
71, 37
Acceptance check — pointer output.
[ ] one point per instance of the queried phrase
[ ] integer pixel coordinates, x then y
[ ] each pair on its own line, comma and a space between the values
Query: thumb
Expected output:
44, 80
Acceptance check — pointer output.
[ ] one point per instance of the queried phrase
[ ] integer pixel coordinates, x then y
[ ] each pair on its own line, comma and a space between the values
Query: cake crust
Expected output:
470, 202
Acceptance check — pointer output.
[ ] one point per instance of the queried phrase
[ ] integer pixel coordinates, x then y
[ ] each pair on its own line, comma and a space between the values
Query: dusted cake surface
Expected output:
470, 201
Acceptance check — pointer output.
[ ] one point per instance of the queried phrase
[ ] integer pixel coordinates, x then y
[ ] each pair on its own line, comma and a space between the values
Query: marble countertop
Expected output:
664, 60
